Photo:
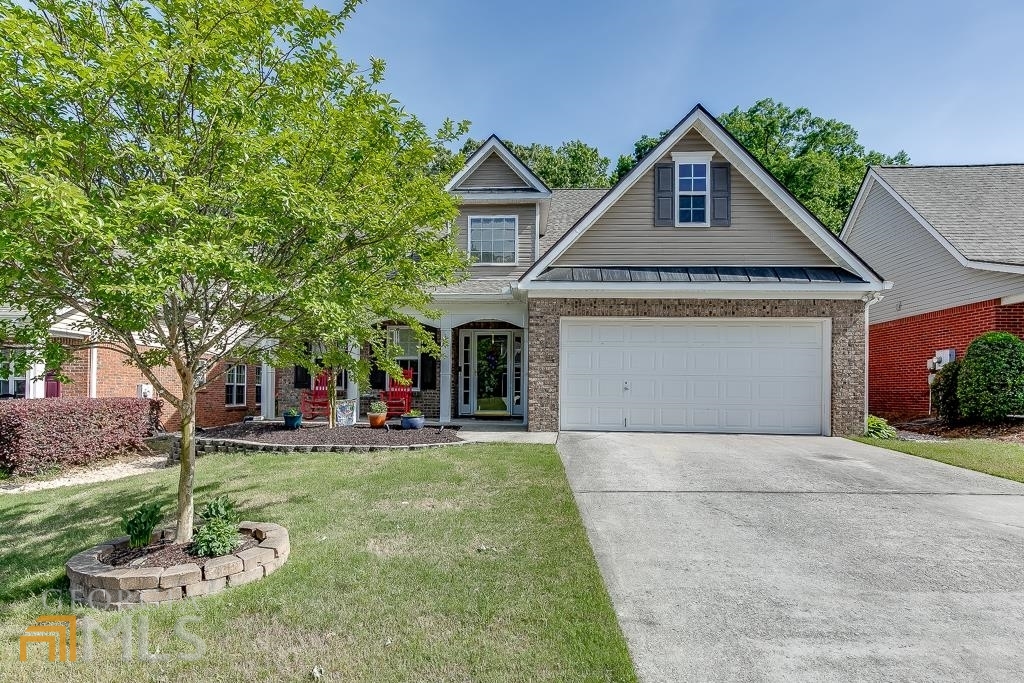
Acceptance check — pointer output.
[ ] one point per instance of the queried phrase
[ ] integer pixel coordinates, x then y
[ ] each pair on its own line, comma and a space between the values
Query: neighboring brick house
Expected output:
697, 294
951, 240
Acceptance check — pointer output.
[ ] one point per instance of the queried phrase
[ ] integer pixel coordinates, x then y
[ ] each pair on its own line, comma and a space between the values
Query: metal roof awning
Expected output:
676, 274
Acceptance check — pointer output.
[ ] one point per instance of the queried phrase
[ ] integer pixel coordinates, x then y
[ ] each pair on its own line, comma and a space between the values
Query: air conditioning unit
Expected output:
144, 390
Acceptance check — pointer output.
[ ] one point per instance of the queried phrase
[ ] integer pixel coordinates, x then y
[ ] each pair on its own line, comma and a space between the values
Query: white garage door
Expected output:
763, 376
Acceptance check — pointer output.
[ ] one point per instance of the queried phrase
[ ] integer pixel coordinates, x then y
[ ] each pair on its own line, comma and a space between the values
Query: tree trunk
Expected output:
332, 398
186, 480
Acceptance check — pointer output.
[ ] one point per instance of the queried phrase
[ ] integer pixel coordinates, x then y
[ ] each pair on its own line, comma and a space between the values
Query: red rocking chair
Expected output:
313, 402
398, 396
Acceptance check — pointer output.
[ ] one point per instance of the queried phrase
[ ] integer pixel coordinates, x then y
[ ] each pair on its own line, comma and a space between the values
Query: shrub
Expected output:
52, 433
220, 507
215, 538
139, 525
878, 428
990, 385
413, 413
944, 400
378, 407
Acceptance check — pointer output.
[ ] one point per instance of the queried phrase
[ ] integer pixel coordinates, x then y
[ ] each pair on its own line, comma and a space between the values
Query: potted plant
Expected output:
413, 419
378, 414
292, 418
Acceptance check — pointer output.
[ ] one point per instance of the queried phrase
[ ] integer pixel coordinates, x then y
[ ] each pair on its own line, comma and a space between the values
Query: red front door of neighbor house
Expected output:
52, 386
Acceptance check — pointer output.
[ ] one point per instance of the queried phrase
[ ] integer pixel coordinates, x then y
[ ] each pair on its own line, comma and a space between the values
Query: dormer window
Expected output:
692, 171
493, 240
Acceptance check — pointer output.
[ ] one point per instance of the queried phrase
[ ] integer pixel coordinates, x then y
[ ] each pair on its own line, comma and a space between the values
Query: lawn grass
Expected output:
455, 564
1001, 458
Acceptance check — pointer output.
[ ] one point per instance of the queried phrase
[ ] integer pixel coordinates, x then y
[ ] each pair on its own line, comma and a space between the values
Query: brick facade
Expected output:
899, 351
848, 344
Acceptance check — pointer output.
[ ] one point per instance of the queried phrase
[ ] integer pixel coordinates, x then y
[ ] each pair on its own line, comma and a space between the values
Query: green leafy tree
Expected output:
819, 160
192, 180
641, 147
571, 164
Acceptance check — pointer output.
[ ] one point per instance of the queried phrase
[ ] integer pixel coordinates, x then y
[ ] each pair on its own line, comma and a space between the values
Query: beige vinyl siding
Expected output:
493, 172
759, 233
526, 215
925, 276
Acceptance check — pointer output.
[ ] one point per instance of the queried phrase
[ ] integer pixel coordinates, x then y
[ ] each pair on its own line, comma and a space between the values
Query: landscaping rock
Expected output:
247, 576
254, 557
206, 587
180, 575
160, 595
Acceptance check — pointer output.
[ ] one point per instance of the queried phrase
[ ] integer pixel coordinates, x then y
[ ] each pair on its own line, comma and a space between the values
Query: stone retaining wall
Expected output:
103, 586
204, 446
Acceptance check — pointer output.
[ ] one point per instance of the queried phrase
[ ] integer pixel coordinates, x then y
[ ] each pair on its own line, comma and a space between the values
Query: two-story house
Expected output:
697, 294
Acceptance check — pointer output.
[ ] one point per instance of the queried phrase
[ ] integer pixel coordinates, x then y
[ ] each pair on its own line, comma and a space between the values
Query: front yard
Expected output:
455, 564
1000, 458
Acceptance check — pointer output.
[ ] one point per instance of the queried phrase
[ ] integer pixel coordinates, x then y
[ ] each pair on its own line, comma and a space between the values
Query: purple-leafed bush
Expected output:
41, 434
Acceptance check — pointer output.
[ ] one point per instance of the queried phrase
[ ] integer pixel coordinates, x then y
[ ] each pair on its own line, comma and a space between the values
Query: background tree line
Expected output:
819, 160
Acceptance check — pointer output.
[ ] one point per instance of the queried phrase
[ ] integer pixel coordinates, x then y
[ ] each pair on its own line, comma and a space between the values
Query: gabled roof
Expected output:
567, 207
728, 146
494, 145
976, 210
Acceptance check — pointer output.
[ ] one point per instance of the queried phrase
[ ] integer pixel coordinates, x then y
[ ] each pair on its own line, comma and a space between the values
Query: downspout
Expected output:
94, 356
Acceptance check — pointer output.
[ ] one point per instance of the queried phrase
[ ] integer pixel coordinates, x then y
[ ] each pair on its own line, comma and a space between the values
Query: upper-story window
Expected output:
692, 180
492, 240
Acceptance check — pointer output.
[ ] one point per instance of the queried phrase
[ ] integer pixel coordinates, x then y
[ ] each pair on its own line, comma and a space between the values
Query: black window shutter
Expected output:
721, 188
664, 195
428, 372
302, 379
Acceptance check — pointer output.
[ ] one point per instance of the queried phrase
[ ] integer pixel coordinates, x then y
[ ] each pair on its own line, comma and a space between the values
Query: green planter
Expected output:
292, 421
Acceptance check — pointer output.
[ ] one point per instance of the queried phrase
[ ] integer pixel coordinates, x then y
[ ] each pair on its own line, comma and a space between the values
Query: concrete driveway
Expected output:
802, 558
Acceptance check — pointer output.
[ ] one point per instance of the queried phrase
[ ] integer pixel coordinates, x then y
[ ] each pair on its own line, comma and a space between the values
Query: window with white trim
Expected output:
692, 180
234, 386
407, 353
259, 384
15, 384
492, 240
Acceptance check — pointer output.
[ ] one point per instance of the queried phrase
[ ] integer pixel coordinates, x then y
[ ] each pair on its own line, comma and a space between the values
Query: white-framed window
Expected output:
692, 188
14, 385
494, 240
259, 384
407, 353
234, 385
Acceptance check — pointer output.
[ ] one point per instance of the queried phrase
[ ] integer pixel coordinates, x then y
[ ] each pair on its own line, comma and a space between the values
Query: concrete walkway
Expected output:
752, 558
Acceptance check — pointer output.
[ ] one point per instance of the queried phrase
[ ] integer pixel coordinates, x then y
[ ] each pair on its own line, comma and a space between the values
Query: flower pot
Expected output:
292, 421
413, 422
377, 420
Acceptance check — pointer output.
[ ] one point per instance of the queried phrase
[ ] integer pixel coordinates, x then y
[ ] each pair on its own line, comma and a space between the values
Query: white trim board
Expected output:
495, 145
701, 120
873, 178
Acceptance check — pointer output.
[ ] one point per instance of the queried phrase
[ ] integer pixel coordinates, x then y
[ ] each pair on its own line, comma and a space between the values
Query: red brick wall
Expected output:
899, 351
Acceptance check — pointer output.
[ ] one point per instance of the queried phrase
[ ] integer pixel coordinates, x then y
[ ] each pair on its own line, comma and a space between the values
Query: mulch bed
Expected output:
1010, 431
359, 435
167, 554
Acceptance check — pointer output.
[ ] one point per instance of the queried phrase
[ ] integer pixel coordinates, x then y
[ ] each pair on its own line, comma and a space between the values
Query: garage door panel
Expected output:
686, 375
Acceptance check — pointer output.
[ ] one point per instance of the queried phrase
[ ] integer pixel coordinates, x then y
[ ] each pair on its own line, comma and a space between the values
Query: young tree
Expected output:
195, 179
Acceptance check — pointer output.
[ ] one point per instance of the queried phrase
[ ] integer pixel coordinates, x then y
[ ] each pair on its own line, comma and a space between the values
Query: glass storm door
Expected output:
492, 395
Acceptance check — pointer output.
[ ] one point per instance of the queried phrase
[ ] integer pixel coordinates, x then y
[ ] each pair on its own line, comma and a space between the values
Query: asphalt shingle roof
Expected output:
567, 207
979, 209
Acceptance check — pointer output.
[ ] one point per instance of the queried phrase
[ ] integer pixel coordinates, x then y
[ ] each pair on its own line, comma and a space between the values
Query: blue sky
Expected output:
942, 80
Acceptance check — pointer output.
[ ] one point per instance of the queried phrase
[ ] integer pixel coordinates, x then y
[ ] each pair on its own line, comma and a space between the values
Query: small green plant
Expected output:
140, 523
378, 407
215, 538
291, 412
991, 381
878, 428
944, 400
413, 413
220, 507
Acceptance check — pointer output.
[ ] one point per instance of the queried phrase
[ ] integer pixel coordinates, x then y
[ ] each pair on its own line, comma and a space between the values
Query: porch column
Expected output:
268, 389
525, 379
445, 377
352, 387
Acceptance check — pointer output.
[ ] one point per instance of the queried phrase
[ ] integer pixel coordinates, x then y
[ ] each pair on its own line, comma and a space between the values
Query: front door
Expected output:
491, 373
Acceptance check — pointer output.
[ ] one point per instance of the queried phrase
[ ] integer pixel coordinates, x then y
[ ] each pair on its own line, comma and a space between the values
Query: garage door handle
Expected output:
625, 386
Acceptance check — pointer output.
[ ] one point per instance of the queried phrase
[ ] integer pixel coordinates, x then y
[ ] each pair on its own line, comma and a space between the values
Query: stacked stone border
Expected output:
204, 445
96, 583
